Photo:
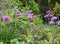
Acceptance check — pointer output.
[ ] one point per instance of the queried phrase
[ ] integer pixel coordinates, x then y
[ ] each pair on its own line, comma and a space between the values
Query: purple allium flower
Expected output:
30, 16
6, 18
48, 12
58, 23
32, 24
15, 8
54, 18
46, 16
17, 14
27, 13
51, 22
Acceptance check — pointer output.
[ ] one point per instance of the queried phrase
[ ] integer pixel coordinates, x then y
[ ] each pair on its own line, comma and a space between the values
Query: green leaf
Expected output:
46, 42
1, 42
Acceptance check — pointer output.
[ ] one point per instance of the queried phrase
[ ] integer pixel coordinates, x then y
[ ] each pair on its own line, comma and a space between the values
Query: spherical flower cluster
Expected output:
54, 18
6, 18
49, 16
58, 23
48, 13
17, 14
46, 16
51, 22
30, 16
29, 12
32, 24
15, 8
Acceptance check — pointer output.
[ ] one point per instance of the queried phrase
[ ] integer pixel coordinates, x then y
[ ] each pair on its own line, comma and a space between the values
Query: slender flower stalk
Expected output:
8, 6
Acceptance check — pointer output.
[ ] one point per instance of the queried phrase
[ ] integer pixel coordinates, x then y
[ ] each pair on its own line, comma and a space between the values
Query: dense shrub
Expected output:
56, 10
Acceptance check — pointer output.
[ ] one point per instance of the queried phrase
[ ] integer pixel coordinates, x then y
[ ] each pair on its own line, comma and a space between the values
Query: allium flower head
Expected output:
51, 22
30, 16
48, 12
27, 13
54, 18
17, 14
58, 23
15, 8
32, 24
46, 16
6, 18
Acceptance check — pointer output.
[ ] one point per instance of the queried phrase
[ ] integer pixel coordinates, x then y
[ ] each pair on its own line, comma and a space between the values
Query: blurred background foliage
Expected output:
38, 6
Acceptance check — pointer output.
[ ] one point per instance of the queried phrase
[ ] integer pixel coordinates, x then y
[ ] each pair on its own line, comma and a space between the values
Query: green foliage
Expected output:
28, 6
56, 9
1, 42
8, 32
19, 29
16, 3
33, 6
